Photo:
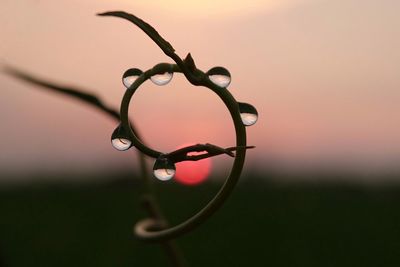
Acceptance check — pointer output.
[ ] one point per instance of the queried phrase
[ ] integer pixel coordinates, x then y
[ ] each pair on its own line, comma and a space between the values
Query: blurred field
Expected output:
263, 224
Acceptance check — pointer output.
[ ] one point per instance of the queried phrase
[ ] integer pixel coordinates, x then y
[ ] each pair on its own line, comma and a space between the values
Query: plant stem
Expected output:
171, 248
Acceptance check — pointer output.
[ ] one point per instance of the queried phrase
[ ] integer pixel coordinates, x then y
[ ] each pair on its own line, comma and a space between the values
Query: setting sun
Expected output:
192, 172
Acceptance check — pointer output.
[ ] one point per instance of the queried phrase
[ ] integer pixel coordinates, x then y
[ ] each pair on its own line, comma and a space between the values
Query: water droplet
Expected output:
164, 169
162, 79
248, 113
248, 118
120, 139
130, 76
219, 76
121, 144
164, 174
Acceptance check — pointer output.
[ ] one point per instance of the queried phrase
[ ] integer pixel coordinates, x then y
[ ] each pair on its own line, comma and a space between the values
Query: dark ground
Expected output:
262, 224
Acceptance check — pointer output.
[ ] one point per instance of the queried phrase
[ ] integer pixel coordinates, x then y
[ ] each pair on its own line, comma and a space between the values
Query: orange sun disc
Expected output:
192, 172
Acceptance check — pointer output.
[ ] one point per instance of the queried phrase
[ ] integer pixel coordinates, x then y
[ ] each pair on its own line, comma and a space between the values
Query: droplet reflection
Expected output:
121, 144
162, 79
219, 76
164, 169
248, 118
164, 174
120, 139
130, 76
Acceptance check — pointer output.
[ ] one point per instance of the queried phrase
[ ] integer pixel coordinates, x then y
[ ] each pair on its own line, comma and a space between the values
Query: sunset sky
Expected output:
324, 76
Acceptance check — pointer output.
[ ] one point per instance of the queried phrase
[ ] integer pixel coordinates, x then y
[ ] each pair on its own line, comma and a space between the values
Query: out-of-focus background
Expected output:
320, 189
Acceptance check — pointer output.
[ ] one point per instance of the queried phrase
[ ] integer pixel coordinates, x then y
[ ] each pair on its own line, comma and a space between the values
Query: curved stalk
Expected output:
153, 230
172, 250
156, 227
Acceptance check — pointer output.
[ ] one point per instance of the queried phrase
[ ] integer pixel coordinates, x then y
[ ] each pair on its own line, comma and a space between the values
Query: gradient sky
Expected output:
324, 76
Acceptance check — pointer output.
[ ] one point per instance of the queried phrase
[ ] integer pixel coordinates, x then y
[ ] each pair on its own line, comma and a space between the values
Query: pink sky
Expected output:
324, 76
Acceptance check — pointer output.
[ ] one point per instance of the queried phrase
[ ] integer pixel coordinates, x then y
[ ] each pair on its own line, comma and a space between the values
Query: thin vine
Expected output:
156, 228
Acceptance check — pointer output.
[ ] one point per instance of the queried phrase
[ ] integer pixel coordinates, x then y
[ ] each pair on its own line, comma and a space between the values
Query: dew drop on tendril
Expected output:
164, 169
219, 76
130, 76
121, 144
120, 139
164, 174
248, 113
162, 79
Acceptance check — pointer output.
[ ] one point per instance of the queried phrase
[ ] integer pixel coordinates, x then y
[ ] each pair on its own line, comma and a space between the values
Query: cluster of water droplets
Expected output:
221, 77
120, 139
164, 169
131, 75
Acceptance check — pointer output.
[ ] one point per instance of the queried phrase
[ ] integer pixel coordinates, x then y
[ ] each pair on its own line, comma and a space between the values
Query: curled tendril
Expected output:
156, 227
153, 229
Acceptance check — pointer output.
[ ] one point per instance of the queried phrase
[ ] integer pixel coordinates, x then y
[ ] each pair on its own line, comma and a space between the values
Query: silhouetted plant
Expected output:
156, 228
